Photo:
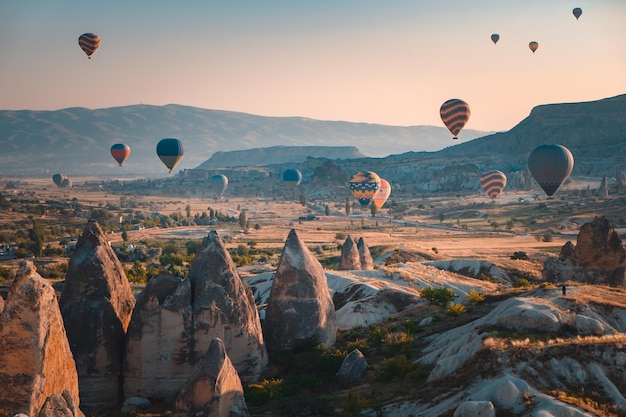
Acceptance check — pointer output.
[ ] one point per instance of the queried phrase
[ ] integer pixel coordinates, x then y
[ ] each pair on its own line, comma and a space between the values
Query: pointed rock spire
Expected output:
300, 307
350, 259
96, 304
364, 255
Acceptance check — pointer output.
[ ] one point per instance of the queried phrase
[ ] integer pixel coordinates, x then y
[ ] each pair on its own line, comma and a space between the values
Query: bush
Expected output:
520, 255
522, 283
264, 392
455, 309
475, 297
438, 296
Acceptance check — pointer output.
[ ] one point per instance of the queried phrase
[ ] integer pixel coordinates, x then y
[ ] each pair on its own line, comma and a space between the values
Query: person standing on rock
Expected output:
564, 289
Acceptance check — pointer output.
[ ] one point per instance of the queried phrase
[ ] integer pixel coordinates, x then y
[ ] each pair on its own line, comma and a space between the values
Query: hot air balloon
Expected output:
577, 12
120, 152
550, 165
454, 113
533, 46
292, 177
382, 195
89, 42
170, 152
493, 183
364, 186
66, 183
495, 38
58, 179
219, 183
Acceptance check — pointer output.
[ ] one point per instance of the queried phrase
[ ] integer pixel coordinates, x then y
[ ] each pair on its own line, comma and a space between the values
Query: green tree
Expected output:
188, 210
243, 219
347, 206
36, 235
373, 210
326, 210
438, 296
303, 198
125, 236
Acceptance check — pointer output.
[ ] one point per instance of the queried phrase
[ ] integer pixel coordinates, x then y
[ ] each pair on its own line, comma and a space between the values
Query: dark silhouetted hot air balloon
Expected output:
170, 152
493, 183
533, 46
382, 195
89, 42
292, 177
364, 186
66, 183
577, 12
120, 152
550, 165
495, 38
219, 183
454, 113
58, 179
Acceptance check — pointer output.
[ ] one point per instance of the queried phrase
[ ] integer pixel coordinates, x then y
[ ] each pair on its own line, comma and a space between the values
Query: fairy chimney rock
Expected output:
350, 259
365, 256
96, 304
36, 363
300, 307
214, 390
158, 359
223, 307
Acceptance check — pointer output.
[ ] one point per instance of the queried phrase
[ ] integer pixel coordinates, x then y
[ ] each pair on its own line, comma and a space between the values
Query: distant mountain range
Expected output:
76, 141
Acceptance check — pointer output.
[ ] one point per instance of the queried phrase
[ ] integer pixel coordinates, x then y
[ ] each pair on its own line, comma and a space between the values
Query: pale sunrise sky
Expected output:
389, 62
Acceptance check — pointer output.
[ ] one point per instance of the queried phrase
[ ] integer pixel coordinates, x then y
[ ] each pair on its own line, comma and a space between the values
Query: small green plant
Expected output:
265, 391
455, 310
520, 255
522, 283
475, 297
437, 296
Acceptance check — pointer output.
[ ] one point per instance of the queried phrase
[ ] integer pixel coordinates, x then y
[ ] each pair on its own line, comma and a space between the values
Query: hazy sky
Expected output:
375, 61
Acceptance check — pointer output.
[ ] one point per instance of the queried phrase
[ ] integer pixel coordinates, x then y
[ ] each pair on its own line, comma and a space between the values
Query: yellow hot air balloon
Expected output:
533, 46
364, 186
493, 183
382, 195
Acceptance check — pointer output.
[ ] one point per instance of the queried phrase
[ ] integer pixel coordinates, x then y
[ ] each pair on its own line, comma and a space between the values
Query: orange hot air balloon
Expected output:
89, 42
382, 195
533, 46
495, 38
455, 113
577, 12
120, 152
493, 183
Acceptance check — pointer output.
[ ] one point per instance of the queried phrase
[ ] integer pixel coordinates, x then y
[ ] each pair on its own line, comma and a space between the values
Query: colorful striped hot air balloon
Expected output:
382, 195
550, 166
89, 42
364, 186
454, 113
493, 183
292, 177
120, 152
219, 183
170, 152
533, 45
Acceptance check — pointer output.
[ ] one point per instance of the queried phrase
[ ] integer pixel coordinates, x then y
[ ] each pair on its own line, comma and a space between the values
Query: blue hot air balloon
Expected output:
170, 152
292, 177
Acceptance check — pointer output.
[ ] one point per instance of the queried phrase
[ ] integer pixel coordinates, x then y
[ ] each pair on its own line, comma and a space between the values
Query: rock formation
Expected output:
364, 255
353, 366
599, 257
96, 304
37, 369
350, 259
159, 351
300, 307
214, 390
223, 307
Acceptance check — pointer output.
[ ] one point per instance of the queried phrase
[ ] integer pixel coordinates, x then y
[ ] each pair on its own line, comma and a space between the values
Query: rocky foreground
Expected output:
193, 343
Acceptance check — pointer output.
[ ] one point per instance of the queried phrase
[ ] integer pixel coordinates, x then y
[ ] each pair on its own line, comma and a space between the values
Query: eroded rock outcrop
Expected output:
96, 304
214, 390
300, 307
37, 370
365, 256
350, 259
159, 352
223, 307
599, 257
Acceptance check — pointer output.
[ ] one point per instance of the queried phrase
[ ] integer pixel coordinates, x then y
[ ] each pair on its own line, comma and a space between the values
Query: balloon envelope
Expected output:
170, 152
89, 42
533, 46
292, 177
66, 183
495, 38
493, 183
58, 179
577, 12
364, 186
120, 152
455, 113
219, 183
550, 165
382, 195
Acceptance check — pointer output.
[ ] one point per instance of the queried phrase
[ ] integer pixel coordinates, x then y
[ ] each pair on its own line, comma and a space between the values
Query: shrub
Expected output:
455, 309
522, 283
264, 392
475, 297
520, 255
438, 296
354, 404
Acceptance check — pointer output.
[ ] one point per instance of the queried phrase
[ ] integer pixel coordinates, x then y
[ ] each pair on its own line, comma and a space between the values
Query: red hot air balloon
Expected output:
455, 113
120, 152
89, 42
550, 166
493, 183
